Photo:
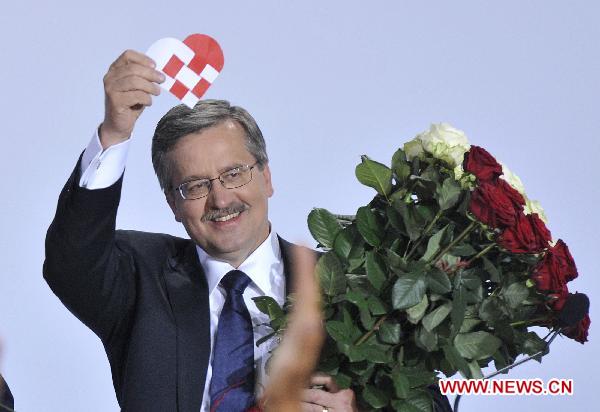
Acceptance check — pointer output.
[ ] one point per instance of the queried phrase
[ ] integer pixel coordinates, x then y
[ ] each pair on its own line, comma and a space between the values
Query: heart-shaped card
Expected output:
190, 67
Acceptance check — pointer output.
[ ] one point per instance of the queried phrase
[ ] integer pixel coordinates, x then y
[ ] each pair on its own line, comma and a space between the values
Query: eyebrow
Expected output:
221, 170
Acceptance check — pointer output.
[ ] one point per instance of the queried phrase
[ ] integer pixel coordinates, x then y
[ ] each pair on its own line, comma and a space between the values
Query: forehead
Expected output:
210, 151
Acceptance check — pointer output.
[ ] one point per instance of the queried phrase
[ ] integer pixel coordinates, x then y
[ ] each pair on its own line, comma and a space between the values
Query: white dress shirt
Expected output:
102, 168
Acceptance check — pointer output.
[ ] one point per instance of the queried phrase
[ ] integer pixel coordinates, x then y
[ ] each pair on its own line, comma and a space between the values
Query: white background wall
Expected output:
327, 82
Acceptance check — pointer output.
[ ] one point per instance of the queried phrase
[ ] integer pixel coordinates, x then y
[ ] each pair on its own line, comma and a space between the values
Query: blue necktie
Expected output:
232, 383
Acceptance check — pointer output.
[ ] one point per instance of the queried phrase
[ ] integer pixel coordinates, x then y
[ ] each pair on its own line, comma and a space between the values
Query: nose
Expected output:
219, 197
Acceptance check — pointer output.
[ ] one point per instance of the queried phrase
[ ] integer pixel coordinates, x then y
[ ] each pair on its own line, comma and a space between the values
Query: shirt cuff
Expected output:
102, 168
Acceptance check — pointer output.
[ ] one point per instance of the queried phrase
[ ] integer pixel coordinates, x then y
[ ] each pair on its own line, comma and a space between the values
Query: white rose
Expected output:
512, 179
533, 206
458, 172
446, 143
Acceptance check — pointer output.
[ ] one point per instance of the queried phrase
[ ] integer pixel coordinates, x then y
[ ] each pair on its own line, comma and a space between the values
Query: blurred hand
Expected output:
295, 359
332, 399
129, 85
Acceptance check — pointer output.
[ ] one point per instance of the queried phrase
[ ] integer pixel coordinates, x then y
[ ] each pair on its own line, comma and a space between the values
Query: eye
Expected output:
197, 187
232, 174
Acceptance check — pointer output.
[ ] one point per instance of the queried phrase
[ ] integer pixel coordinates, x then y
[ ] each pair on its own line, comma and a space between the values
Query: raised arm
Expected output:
86, 265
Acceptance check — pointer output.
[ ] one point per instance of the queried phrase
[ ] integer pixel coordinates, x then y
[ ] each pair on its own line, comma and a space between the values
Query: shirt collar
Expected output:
257, 266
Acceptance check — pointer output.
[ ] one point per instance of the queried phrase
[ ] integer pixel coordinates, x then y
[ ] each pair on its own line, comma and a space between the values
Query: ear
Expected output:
173, 200
266, 172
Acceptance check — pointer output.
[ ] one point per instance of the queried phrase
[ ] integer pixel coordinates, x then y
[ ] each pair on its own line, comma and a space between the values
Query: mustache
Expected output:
229, 210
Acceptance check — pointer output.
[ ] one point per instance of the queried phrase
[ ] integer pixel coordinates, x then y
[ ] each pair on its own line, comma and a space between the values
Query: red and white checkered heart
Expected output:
190, 67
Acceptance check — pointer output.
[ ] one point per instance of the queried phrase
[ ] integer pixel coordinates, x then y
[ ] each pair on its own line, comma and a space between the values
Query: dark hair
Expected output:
181, 121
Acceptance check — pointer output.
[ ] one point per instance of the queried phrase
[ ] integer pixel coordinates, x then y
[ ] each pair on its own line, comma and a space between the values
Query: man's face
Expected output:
205, 155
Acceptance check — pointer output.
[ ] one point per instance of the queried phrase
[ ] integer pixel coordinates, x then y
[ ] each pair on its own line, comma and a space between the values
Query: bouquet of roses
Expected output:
445, 270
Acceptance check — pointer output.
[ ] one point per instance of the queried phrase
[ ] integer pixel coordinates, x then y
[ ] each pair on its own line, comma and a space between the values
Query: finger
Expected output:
311, 407
132, 56
133, 83
134, 98
135, 70
318, 396
320, 378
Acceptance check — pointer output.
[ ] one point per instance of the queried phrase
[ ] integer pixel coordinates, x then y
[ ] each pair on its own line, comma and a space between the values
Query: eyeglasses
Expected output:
231, 179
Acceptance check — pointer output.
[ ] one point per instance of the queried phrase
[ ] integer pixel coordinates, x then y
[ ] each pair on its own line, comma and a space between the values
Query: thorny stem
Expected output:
425, 233
370, 333
481, 253
455, 242
527, 322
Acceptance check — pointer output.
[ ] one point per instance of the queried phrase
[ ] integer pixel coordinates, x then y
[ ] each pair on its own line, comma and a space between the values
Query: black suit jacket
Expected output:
7, 402
144, 294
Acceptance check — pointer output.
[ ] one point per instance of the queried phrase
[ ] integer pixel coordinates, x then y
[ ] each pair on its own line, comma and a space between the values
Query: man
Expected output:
176, 316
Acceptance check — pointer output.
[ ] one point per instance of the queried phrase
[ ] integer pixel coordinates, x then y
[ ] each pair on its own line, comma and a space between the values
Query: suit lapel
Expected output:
188, 294
287, 256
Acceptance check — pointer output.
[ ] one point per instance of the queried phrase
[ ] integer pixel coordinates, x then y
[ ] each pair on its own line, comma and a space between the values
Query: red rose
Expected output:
579, 332
556, 269
482, 164
496, 204
558, 299
528, 235
564, 260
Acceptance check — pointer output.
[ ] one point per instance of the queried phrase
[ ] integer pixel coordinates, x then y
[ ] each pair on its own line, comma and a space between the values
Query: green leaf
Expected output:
489, 267
368, 226
415, 313
418, 401
376, 305
448, 193
269, 306
434, 243
343, 242
459, 306
475, 370
375, 270
435, 317
367, 320
323, 226
421, 402
371, 352
396, 262
331, 274
455, 359
425, 339
339, 331
468, 324
408, 291
375, 396
374, 174
438, 281
411, 223
357, 298
401, 386
476, 345
343, 381
515, 294
492, 309
463, 249
533, 344
400, 167
389, 332
417, 375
